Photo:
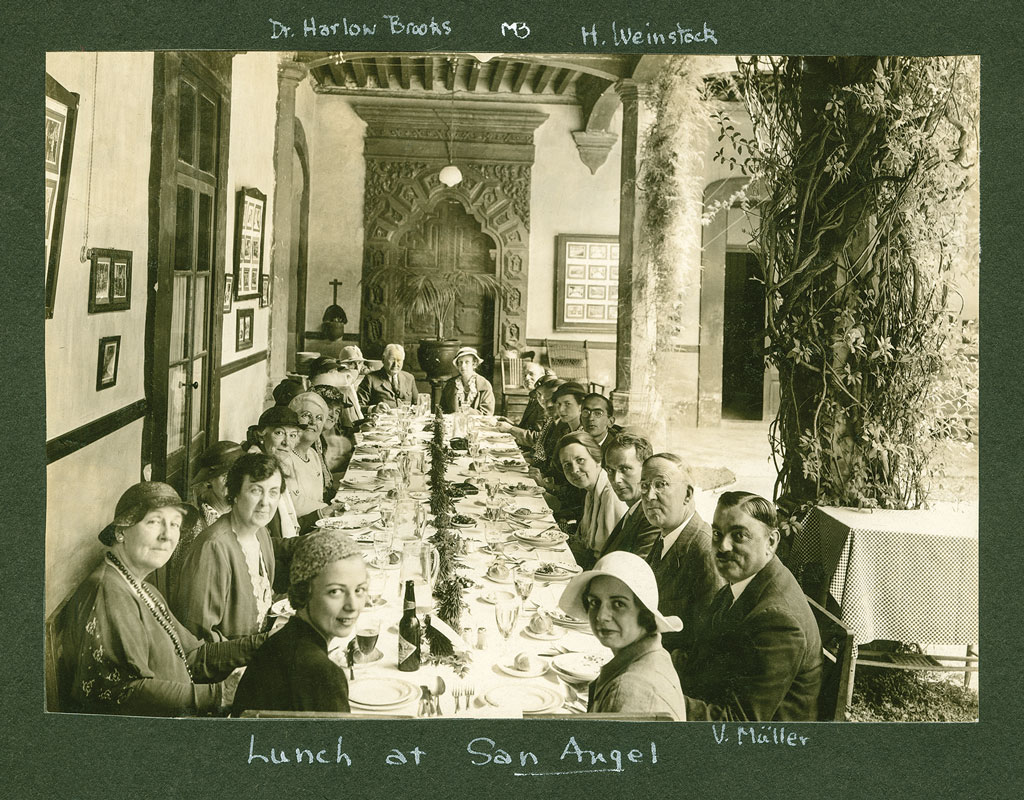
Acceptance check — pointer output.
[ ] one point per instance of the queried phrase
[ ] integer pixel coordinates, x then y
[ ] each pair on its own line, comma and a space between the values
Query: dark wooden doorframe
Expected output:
301, 264
213, 71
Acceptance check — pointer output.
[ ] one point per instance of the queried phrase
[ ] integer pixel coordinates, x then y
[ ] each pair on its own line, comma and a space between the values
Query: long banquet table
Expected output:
363, 492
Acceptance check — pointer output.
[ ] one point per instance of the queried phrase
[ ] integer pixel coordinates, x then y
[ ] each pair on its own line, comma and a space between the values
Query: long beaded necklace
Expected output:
155, 606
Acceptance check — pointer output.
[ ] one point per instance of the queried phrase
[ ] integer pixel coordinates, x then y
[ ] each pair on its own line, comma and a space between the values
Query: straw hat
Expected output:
632, 571
351, 353
468, 351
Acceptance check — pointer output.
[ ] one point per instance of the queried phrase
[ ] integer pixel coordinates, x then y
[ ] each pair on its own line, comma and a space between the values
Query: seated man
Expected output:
623, 460
597, 417
682, 560
758, 653
389, 385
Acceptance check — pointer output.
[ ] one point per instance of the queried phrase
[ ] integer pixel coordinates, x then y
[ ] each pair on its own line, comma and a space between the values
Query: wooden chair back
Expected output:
837, 664
511, 372
55, 671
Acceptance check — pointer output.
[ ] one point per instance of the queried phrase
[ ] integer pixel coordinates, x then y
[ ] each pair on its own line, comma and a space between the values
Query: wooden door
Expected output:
446, 238
743, 370
189, 231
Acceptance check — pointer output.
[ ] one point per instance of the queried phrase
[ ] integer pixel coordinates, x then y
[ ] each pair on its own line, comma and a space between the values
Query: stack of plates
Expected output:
380, 693
349, 522
565, 620
578, 667
524, 698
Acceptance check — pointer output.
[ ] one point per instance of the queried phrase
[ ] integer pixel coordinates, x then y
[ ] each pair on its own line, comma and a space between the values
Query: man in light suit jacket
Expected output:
623, 460
681, 558
758, 653
389, 385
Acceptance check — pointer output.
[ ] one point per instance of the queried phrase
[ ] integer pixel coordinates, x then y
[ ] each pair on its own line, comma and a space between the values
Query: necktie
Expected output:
394, 384
657, 552
721, 604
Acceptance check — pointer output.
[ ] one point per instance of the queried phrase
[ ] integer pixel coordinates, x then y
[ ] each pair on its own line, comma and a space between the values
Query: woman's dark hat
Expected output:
287, 389
276, 416
216, 460
139, 500
570, 387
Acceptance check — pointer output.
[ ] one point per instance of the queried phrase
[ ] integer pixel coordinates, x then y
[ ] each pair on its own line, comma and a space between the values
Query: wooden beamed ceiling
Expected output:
546, 78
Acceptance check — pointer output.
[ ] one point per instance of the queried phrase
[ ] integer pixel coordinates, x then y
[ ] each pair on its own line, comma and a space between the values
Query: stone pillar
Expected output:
289, 73
635, 394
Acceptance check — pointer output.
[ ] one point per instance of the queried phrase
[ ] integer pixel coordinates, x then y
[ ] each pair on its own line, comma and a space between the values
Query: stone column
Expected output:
289, 73
635, 394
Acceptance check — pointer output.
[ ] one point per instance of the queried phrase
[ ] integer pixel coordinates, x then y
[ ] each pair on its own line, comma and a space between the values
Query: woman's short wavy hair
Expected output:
312, 555
581, 438
257, 467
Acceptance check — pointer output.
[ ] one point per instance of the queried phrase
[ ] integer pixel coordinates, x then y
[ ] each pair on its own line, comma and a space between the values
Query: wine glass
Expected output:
382, 539
493, 535
377, 584
367, 631
506, 613
523, 579
385, 454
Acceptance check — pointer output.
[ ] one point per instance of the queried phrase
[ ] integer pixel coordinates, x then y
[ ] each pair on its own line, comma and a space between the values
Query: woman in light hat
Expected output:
467, 390
620, 598
123, 651
210, 496
292, 671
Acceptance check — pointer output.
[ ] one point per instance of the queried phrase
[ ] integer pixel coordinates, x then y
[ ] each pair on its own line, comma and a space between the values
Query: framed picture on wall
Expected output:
110, 280
586, 282
106, 366
243, 328
229, 284
61, 114
264, 291
250, 214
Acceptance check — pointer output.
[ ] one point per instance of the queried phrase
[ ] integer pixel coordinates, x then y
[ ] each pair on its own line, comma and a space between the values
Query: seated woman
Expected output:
210, 490
564, 499
620, 598
580, 457
336, 442
123, 651
535, 413
312, 480
292, 672
225, 588
467, 390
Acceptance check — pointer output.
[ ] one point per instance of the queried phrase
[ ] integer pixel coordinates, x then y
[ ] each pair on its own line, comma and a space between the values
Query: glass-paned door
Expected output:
189, 334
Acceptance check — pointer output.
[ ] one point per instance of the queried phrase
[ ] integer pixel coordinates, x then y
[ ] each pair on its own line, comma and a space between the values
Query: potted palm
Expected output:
432, 293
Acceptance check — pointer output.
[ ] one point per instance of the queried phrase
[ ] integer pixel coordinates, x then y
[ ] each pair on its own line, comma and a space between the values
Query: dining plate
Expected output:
348, 522
562, 618
380, 691
539, 668
548, 538
528, 698
493, 596
556, 572
503, 582
580, 666
550, 636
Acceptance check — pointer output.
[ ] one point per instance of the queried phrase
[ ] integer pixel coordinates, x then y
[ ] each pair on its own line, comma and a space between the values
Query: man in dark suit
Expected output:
758, 652
681, 558
623, 460
597, 417
389, 385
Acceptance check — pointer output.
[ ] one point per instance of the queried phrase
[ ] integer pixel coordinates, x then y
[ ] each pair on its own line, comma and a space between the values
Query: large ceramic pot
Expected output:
333, 329
435, 357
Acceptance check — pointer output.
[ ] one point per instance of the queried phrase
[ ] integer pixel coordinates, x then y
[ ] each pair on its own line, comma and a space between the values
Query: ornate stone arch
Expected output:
495, 156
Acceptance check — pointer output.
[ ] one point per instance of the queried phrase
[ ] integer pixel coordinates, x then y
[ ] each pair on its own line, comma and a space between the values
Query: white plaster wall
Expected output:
335, 134
251, 164
82, 492
108, 195
566, 198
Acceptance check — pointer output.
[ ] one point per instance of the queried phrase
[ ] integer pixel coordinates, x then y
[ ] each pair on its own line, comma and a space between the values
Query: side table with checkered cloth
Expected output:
907, 576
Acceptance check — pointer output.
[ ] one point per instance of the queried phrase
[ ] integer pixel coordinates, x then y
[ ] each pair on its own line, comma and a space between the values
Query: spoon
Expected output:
437, 695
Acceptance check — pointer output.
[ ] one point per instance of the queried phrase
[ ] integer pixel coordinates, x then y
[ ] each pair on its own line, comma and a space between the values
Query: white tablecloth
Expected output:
484, 673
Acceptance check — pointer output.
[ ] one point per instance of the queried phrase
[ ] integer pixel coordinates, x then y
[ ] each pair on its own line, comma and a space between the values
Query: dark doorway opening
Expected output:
743, 339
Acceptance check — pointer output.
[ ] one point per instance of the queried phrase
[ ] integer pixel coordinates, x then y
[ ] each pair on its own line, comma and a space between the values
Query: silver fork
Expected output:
470, 691
457, 694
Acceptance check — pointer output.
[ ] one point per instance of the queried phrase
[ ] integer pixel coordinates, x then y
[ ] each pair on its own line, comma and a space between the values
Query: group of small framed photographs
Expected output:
110, 289
249, 279
586, 282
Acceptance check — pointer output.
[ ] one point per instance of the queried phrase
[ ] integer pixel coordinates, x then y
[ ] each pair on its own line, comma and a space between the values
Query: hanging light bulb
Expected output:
450, 175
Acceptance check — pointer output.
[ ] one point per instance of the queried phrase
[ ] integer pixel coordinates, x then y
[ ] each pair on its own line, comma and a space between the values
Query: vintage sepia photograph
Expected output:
651, 394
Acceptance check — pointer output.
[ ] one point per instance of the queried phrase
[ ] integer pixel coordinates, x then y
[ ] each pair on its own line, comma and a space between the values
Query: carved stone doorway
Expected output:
448, 237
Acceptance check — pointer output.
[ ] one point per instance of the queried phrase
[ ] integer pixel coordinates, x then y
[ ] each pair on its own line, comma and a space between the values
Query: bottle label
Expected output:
408, 653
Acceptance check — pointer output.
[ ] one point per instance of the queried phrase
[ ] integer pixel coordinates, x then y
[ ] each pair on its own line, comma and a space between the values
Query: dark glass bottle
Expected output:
409, 632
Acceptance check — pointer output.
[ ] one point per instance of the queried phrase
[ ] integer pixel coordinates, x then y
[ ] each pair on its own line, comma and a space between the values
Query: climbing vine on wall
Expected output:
863, 165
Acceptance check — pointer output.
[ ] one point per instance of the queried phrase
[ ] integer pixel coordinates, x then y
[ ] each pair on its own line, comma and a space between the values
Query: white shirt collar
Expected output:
670, 538
738, 587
